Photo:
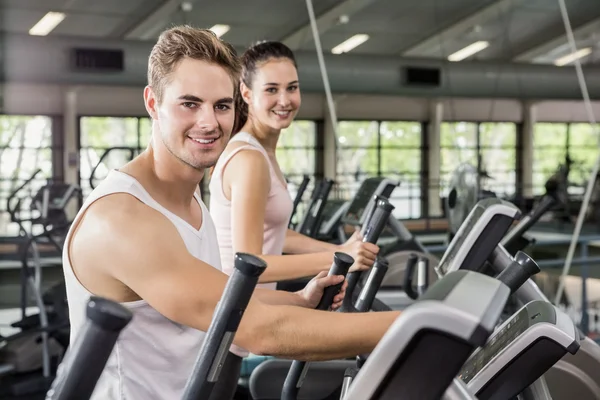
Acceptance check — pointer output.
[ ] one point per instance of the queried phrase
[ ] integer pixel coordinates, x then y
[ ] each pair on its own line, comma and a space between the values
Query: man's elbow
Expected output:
258, 334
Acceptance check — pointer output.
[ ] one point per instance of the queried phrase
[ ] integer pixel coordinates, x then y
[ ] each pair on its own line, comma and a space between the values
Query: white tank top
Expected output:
153, 356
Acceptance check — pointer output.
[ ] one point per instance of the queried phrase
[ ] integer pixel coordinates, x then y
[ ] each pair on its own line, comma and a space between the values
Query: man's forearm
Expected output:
279, 297
297, 243
310, 335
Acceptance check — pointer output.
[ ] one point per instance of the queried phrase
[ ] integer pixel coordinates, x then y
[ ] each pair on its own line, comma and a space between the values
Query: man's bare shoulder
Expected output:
118, 222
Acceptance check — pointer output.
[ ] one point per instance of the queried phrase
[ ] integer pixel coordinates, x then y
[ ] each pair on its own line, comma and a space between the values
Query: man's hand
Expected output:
313, 291
364, 254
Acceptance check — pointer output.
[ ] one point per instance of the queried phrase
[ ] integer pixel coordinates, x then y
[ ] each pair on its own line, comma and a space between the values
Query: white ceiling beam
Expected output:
485, 14
546, 47
325, 22
149, 27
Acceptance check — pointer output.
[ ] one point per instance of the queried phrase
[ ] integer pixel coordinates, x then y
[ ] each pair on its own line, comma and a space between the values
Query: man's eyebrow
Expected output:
225, 100
190, 97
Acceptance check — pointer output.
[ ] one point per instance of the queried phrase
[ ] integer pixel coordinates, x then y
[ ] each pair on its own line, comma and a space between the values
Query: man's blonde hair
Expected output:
179, 42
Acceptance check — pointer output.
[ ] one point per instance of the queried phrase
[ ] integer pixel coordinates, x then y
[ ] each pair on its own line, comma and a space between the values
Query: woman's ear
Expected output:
246, 92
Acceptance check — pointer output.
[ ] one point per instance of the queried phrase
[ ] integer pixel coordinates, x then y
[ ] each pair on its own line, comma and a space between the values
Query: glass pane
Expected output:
498, 134
461, 135
547, 160
539, 181
584, 159
108, 132
89, 158
296, 161
346, 186
549, 135
357, 162
16, 166
145, 132
400, 134
584, 135
400, 161
25, 131
298, 134
407, 198
357, 134
500, 165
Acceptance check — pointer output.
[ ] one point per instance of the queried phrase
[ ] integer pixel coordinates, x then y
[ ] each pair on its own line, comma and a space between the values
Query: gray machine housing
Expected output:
433, 337
520, 351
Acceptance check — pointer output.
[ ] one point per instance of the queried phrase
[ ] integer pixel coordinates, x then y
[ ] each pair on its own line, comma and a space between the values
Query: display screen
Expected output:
447, 262
361, 201
515, 327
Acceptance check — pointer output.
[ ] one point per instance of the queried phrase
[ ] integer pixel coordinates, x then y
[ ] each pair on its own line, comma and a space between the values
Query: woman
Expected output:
249, 203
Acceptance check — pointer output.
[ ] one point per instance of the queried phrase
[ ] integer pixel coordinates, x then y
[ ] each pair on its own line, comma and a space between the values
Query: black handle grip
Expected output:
409, 271
224, 325
85, 360
372, 285
341, 264
370, 232
376, 223
293, 380
518, 272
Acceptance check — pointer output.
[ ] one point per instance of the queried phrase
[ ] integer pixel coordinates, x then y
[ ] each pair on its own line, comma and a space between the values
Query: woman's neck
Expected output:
267, 137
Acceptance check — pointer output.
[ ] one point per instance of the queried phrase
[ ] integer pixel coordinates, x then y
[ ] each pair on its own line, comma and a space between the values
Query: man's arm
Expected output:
141, 248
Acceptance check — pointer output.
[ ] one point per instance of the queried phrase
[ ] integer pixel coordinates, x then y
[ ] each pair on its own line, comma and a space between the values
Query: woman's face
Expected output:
275, 96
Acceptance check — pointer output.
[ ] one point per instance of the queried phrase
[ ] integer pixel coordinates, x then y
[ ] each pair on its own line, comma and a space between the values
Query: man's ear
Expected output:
150, 102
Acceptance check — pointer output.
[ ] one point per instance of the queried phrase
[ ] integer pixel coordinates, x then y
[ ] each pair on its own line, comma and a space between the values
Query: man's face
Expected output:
196, 114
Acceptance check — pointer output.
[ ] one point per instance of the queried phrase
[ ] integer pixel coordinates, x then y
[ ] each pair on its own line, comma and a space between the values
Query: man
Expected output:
145, 239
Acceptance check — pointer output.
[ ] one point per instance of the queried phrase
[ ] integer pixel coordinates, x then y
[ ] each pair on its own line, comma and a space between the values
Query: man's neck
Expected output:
174, 183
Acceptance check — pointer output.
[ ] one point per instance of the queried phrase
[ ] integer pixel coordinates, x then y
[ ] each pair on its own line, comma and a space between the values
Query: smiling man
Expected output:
144, 238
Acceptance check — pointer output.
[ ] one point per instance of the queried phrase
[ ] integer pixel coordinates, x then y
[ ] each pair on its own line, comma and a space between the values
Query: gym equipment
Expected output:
298, 198
581, 370
264, 381
293, 381
24, 352
527, 295
521, 350
440, 326
375, 219
224, 325
311, 221
130, 155
84, 362
463, 194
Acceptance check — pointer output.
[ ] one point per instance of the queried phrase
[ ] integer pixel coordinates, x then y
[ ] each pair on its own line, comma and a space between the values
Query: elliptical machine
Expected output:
45, 335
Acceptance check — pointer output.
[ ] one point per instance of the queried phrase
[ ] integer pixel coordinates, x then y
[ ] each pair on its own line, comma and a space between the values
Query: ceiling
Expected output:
530, 31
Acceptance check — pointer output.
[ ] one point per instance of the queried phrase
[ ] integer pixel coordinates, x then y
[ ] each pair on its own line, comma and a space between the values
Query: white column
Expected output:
329, 145
529, 120
436, 114
71, 152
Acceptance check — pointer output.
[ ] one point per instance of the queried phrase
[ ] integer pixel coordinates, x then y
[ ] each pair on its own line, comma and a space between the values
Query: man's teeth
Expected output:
204, 141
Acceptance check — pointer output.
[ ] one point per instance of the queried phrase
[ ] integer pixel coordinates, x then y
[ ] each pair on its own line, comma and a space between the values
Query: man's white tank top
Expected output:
154, 356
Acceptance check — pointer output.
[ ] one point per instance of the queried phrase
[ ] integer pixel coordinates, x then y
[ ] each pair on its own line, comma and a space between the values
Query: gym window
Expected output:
381, 148
122, 137
549, 150
297, 156
489, 146
26, 145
